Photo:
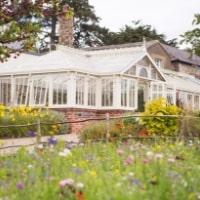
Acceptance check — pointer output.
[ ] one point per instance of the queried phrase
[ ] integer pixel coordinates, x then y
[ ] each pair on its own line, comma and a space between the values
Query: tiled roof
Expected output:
181, 55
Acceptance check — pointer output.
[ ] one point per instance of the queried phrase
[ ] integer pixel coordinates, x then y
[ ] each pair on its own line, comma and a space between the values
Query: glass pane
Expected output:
80, 87
107, 92
91, 92
5, 91
22, 91
123, 92
132, 93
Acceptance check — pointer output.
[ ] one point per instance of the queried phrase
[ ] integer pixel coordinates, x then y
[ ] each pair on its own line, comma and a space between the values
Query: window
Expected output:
157, 90
39, 91
153, 73
123, 92
91, 92
170, 96
107, 92
189, 101
80, 87
131, 93
196, 102
5, 91
158, 62
60, 94
143, 72
22, 91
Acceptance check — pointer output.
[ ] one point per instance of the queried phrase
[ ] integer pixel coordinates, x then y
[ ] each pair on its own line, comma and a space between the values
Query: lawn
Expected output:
129, 170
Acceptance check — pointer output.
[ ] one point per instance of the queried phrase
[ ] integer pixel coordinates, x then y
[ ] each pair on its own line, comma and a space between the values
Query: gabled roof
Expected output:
181, 55
65, 58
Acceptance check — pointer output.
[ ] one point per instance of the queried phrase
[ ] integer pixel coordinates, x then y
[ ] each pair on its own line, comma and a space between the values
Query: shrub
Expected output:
162, 126
118, 129
27, 115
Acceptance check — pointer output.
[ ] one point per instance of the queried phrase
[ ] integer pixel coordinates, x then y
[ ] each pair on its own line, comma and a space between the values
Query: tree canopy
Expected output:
192, 37
18, 30
27, 22
133, 33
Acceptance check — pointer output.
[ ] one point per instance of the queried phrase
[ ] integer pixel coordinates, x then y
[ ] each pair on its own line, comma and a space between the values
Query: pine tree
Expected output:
18, 26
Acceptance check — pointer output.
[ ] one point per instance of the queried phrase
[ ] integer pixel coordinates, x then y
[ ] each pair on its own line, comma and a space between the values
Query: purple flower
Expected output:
31, 133
20, 185
77, 171
135, 182
52, 141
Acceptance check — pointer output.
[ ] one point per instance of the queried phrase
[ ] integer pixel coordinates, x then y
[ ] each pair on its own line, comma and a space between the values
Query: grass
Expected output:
124, 171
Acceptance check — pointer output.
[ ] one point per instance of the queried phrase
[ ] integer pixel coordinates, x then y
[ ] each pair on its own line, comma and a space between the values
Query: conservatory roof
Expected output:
65, 58
182, 81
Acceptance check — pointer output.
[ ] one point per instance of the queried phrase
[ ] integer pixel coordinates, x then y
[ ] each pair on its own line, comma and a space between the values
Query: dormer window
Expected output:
158, 62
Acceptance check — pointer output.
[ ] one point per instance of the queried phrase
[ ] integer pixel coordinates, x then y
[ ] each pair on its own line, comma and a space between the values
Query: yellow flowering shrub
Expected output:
23, 115
163, 126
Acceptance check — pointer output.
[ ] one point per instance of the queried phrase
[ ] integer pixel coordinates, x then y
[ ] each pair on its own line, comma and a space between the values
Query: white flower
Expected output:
79, 186
171, 160
40, 146
158, 156
130, 174
65, 153
149, 154
30, 166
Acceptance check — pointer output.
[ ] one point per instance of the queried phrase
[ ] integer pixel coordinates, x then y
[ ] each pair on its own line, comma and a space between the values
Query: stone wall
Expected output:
186, 68
76, 114
156, 51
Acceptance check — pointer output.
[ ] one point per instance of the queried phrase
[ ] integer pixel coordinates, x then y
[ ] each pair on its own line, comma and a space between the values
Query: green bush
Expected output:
26, 115
162, 126
118, 129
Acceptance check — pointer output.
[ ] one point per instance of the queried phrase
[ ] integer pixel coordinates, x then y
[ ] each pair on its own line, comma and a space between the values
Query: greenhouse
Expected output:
105, 79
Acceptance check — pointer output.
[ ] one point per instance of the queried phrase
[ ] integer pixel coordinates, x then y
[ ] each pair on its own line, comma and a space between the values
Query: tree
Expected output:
135, 33
85, 21
18, 25
193, 37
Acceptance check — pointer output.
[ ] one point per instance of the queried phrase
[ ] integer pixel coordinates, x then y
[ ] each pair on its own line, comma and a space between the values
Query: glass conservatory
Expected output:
106, 79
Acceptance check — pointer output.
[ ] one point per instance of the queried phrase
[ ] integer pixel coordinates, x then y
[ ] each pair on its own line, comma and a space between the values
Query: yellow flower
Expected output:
93, 173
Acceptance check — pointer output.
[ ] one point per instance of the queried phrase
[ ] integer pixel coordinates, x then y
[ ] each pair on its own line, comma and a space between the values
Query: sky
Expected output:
171, 17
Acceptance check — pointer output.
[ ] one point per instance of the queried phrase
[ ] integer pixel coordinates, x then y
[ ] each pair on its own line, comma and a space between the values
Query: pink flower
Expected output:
20, 185
146, 161
120, 152
129, 160
66, 182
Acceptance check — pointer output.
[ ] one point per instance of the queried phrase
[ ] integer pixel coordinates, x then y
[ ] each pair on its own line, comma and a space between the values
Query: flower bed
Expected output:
102, 171
26, 116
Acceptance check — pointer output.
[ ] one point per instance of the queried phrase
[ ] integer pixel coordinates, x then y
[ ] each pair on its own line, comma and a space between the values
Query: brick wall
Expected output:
65, 28
76, 114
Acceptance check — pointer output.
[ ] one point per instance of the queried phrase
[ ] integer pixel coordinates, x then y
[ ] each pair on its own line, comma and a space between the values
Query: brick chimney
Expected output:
66, 25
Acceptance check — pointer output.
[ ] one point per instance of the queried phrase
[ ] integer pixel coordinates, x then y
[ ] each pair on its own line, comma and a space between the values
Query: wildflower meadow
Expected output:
120, 171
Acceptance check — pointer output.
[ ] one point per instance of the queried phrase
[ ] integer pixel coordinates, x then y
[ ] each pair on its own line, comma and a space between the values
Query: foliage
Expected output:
118, 129
18, 27
27, 115
85, 22
135, 33
163, 126
192, 37
99, 171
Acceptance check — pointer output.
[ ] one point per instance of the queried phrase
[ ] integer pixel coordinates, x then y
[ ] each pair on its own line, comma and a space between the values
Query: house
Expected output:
90, 82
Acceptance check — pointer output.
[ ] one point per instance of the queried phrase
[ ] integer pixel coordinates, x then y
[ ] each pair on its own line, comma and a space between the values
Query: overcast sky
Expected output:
171, 17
